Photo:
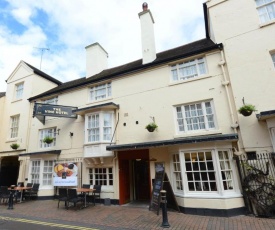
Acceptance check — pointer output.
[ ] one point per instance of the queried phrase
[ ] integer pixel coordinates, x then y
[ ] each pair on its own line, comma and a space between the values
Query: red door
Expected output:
124, 182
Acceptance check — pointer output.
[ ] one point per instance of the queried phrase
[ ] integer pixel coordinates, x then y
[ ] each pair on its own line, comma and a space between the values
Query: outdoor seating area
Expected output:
20, 192
74, 196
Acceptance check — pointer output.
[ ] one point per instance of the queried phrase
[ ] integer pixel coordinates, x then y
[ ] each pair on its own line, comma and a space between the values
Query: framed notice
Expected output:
157, 187
65, 174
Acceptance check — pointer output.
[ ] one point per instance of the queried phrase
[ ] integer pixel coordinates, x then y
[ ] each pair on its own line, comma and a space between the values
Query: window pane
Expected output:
200, 177
226, 170
177, 172
189, 69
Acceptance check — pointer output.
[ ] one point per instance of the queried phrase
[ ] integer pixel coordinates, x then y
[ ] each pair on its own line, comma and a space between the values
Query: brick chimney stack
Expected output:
147, 35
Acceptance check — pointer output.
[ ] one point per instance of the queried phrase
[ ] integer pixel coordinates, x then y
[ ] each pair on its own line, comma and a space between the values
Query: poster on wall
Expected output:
65, 174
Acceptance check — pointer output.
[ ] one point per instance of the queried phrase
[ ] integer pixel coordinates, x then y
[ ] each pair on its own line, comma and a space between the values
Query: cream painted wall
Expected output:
22, 73
247, 45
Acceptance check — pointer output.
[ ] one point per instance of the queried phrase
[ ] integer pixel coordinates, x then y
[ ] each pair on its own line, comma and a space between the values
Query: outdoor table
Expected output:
85, 191
20, 189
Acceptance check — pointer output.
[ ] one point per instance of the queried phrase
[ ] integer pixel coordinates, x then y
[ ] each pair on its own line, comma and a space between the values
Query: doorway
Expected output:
9, 171
134, 176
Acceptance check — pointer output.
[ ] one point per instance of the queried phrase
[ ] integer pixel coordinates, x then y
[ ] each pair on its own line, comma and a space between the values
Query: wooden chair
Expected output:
62, 196
73, 197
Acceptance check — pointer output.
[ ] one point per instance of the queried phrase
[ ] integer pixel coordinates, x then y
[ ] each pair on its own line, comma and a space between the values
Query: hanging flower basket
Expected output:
247, 110
151, 127
48, 140
14, 146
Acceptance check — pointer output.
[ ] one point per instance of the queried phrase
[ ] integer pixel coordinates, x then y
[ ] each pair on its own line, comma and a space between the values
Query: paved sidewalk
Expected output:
115, 217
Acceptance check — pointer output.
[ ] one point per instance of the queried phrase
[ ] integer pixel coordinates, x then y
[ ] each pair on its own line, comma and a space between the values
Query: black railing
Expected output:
257, 171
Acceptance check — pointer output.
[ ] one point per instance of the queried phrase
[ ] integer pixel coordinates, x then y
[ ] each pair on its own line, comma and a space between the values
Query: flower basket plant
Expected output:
48, 139
14, 146
151, 127
247, 109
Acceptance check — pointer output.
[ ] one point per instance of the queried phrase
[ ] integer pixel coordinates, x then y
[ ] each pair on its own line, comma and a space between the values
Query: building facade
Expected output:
191, 92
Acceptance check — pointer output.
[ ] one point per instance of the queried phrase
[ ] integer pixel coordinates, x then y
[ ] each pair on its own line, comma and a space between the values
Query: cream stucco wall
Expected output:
247, 46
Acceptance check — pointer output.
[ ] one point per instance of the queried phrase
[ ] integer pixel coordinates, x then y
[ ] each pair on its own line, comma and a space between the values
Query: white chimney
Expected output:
96, 59
147, 35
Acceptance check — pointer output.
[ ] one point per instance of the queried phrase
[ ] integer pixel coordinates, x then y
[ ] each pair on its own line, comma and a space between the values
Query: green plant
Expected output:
151, 127
48, 139
14, 146
247, 109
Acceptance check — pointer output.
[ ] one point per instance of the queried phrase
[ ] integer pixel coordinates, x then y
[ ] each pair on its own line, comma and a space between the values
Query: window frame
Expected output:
184, 127
273, 58
95, 95
185, 66
221, 192
41, 172
267, 13
14, 125
51, 101
99, 129
94, 180
19, 90
47, 132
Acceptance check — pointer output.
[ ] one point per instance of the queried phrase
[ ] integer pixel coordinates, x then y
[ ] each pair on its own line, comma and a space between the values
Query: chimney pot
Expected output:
145, 6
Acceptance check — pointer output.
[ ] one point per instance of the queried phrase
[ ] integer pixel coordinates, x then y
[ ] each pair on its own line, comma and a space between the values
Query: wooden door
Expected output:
124, 181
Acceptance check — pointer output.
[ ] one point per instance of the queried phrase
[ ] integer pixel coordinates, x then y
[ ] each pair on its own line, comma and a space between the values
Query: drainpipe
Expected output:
225, 83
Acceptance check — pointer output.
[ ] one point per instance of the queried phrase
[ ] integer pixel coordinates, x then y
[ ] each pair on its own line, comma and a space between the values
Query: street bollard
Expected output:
165, 223
11, 199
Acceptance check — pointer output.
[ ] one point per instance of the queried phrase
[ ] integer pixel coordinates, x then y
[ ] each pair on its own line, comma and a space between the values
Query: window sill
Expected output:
189, 80
12, 140
267, 23
97, 143
99, 101
213, 195
16, 100
199, 133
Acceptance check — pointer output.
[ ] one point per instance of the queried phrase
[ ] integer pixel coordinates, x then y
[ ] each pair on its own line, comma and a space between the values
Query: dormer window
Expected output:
189, 69
100, 92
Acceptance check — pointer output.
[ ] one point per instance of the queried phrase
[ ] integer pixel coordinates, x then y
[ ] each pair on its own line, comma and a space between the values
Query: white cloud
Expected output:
72, 25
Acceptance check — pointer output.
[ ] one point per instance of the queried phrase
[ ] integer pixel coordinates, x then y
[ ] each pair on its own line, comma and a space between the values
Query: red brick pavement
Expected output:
128, 217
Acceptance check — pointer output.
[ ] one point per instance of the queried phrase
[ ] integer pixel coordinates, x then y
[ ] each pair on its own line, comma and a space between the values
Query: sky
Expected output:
51, 35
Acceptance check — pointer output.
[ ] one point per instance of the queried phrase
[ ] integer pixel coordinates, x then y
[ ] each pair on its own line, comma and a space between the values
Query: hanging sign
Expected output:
53, 110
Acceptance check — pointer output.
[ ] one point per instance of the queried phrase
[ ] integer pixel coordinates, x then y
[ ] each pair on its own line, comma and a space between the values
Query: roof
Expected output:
180, 141
265, 115
2, 94
180, 52
44, 75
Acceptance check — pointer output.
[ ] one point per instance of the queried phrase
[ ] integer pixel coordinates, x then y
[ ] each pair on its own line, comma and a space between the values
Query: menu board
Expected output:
157, 187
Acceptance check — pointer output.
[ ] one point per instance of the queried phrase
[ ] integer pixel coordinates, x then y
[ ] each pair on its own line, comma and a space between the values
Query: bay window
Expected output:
193, 117
209, 171
99, 127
